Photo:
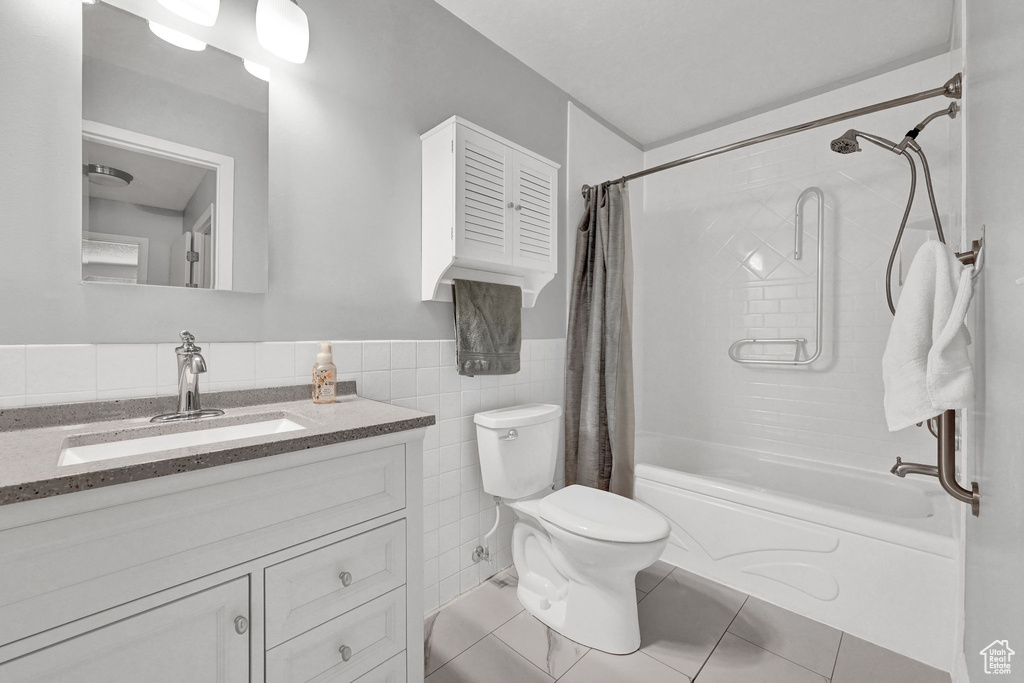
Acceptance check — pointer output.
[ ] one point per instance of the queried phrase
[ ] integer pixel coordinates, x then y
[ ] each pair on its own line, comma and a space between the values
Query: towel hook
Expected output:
975, 256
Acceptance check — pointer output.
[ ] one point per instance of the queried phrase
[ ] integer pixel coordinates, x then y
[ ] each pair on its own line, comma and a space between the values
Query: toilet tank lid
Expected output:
602, 515
518, 416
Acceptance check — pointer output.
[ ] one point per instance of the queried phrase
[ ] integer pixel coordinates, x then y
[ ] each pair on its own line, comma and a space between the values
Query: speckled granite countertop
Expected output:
31, 439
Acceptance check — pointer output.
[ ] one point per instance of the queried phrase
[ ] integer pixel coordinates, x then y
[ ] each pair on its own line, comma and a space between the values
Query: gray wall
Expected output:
994, 96
200, 201
344, 180
160, 226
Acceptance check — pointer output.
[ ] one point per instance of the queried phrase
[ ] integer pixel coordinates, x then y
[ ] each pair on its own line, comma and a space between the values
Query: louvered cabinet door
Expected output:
534, 191
483, 186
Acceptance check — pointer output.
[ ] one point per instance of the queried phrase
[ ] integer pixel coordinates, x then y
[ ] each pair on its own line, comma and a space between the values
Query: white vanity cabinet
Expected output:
296, 567
184, 640
490, 212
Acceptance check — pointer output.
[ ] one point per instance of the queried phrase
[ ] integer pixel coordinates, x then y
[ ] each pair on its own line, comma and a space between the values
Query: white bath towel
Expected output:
925, 368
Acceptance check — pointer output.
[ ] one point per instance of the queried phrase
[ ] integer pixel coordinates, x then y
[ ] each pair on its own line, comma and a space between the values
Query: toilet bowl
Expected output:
577, 550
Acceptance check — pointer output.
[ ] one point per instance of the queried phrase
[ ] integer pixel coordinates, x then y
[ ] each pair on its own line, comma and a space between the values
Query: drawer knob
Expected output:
346, 579
511, 204
346, 653
241, 625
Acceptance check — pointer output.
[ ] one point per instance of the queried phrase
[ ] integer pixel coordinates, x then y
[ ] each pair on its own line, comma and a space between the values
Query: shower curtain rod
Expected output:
952, 89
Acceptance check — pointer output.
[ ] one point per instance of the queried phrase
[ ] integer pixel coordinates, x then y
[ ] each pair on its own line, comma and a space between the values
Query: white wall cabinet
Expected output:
490, 212
297, 567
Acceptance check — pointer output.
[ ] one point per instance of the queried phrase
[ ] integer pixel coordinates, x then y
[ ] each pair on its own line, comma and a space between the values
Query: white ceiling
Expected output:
657, 69
160, 183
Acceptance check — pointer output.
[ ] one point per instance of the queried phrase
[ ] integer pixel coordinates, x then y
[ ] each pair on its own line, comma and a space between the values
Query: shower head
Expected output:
107, 176
846, 143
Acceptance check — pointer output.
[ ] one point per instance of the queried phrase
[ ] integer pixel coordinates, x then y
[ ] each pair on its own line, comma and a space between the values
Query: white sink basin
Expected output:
75, 453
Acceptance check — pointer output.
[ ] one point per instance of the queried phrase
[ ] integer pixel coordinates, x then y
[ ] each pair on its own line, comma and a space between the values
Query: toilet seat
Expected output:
602, 516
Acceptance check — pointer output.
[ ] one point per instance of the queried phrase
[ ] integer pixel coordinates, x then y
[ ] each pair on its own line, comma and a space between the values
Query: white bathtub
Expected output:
864, 552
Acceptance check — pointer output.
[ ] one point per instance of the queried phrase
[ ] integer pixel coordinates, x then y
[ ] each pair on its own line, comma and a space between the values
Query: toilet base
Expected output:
614, 629
590, 599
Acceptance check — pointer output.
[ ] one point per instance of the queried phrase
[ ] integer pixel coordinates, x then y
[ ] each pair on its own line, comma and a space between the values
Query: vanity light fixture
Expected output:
177, 38
283, 29
89, 2
203, 12
258, 70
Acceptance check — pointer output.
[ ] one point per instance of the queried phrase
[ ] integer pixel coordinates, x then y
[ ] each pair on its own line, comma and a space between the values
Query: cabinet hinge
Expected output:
453, 146
192, 256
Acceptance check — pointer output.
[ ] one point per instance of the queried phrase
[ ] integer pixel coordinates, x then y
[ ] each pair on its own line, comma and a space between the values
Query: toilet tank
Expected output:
518, 448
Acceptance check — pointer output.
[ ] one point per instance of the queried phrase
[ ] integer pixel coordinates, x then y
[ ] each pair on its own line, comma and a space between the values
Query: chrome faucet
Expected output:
902, 469
191, 364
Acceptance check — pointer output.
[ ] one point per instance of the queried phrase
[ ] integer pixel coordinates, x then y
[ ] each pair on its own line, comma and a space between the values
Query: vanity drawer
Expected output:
371, 634
310, 589
391, 671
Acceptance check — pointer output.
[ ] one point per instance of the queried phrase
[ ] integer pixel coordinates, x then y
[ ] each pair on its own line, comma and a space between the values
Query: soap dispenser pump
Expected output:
325, 376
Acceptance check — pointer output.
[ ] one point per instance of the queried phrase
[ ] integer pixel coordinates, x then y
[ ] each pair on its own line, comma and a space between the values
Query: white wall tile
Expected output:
403, 384
376, 355
65, 370
403, 355
348, 356
377, 385
428, 381
447, 352
450, 380
124, 370
12, 374
232, 365
428, 354
305, 359
274, 360
451, 406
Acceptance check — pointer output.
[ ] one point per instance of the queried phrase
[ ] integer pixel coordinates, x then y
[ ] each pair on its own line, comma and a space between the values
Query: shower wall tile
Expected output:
415, 374
716, 264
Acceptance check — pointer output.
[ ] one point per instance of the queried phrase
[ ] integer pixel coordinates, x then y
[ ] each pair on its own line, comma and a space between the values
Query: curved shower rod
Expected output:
953, 88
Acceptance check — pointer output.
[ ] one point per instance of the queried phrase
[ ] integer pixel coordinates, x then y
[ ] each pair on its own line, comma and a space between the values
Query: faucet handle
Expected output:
187, 337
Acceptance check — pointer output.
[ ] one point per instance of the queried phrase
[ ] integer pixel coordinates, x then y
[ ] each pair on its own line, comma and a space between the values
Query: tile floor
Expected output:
693, 630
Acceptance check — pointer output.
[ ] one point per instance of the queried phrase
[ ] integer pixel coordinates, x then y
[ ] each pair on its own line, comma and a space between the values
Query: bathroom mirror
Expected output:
174, 158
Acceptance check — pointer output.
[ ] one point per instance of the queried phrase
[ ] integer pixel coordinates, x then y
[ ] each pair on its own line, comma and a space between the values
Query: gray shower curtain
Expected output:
599, 347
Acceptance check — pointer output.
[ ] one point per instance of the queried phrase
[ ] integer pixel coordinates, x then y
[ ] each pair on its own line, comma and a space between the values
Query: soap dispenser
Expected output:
325, 376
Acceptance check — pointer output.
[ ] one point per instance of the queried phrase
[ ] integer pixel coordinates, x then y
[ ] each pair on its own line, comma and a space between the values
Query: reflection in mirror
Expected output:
174, 161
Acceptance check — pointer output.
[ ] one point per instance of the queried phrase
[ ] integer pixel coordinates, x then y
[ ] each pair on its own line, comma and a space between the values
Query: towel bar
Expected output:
797, 238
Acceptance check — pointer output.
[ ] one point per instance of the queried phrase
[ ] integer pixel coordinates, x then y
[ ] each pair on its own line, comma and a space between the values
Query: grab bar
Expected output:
945, 433
819, 294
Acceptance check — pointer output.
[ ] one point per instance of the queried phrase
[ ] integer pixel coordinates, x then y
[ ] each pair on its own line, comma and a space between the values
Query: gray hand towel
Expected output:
488, 327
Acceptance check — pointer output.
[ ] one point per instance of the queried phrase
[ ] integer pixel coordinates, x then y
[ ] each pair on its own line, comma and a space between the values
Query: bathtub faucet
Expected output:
902, 469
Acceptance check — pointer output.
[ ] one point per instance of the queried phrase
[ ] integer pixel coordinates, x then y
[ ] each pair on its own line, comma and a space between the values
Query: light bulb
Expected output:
203, 12
283, 29
177, 38
258, 70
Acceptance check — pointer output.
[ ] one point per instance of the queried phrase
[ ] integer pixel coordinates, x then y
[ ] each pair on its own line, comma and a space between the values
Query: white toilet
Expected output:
577, 550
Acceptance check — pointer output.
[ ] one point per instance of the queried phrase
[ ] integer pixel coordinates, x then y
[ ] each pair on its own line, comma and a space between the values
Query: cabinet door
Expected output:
482, 190
193, 639
534, 191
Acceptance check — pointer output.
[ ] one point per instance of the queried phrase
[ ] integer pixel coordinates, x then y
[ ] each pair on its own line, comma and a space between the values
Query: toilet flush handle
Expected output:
511, 436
